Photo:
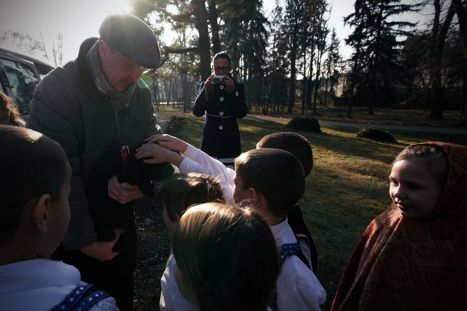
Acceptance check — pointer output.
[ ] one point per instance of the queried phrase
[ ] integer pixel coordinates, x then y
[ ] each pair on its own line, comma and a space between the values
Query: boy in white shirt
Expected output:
34, 216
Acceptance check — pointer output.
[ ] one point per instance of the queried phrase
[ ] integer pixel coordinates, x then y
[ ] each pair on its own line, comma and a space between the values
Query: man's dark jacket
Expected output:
68, 107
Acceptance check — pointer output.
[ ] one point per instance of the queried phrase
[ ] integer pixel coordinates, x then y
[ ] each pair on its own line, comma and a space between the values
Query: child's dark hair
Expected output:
274, 173
222, 54
180, 191
227, 257
31, 165
9, 112
292, 142
432, 154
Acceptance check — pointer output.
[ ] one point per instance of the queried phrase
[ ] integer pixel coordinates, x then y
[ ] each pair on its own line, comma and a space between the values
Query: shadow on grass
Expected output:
343, 142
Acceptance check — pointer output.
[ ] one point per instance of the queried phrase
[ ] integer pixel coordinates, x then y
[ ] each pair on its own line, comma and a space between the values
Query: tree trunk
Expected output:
293, 72
310, 81
304, 83
317, 84
216, 43
326, 85
201, 25
155, 92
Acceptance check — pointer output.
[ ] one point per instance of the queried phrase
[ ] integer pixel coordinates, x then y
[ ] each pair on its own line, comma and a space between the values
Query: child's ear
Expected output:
39, 213
254, 197
258, 200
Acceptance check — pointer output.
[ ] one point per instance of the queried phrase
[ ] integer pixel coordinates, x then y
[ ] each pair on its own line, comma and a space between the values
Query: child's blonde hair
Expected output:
227, 256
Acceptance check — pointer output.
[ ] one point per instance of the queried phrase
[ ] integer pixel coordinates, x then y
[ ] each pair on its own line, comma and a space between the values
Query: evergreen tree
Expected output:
294, 26
277, 63
375, 40
246, 38
321, 32
332, 66
439, 34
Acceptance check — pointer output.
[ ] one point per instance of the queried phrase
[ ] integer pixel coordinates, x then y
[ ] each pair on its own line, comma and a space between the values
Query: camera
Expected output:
218, 79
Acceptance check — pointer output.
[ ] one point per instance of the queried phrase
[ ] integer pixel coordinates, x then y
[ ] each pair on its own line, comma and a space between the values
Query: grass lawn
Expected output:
347, 187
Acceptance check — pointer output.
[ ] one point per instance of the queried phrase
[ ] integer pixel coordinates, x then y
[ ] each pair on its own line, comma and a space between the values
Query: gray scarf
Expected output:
121, 100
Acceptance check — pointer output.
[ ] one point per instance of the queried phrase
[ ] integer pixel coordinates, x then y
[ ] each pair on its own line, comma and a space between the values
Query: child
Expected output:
300, 147
273, 181
183, 190
226, 258
412, 256
34, 216
177, 194
195, 160
9, 114
277, 180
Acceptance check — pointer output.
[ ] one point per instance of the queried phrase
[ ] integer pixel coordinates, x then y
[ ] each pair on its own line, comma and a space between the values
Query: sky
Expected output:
77, 20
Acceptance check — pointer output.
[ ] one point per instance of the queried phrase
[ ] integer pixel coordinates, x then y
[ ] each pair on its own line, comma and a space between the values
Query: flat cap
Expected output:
131, 37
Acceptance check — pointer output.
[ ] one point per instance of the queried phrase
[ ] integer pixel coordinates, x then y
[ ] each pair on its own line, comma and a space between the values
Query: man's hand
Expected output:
153, 153
100, 250
122, 192
169, 142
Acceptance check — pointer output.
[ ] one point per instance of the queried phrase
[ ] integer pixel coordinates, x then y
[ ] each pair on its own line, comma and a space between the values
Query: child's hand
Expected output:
122, 192
100, 250
153, 153
169, 142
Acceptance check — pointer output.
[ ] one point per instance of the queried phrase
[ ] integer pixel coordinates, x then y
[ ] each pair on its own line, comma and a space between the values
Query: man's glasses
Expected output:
222, 68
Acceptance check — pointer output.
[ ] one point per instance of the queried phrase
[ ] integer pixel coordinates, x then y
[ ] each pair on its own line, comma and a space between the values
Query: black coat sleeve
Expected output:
240, 100
199, 108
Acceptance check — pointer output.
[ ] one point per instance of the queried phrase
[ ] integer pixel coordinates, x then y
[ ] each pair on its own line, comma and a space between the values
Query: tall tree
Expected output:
213, 16
375, 40
193, 13
246, 40
332, 65
438, 38
321, 30
277, 63
461, 11
292, 26
315, 32
200, 18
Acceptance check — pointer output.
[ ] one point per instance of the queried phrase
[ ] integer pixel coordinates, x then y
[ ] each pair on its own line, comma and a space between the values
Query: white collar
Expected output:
35, 273
282, 233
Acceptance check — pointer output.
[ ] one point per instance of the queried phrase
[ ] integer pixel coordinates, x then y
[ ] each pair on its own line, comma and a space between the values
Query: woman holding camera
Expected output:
222, 98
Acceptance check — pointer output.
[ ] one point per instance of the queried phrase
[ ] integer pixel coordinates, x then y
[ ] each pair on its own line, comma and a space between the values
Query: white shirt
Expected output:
297, 286
171, 297
196, 160
41, 284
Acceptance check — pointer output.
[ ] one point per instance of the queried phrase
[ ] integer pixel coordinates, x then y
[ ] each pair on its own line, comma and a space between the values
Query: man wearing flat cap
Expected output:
89, 106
